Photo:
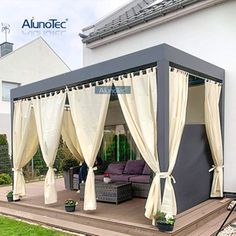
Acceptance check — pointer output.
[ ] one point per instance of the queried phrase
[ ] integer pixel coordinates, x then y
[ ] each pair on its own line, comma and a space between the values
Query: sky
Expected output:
66, 43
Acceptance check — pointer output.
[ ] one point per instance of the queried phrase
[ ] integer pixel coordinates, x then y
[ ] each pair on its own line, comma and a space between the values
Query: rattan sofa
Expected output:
135, 171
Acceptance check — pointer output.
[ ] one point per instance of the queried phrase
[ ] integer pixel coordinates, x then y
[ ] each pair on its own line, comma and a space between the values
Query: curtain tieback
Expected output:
217, 168
17, 170
51, 168
164, 175
93, 168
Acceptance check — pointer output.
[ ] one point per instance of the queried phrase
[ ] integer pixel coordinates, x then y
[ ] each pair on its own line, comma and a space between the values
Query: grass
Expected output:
12, 227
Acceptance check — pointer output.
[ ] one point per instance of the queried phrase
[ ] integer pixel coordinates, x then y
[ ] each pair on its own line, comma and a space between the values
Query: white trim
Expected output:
160, 20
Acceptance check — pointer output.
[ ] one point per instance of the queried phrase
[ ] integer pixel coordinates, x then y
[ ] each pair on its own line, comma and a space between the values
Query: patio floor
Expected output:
126, 218
131, 211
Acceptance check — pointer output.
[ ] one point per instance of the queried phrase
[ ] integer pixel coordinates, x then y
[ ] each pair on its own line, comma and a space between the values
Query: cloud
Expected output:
80, 13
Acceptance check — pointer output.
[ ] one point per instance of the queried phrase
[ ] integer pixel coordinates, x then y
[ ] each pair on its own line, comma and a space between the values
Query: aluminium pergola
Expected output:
163, 56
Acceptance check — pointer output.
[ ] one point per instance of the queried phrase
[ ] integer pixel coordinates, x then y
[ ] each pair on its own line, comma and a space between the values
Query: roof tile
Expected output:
138, 14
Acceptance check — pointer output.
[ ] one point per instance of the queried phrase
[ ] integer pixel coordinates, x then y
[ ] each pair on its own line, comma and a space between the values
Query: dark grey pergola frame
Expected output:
162, 55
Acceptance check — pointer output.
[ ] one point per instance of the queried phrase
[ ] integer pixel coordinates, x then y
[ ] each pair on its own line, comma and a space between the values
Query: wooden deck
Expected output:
126, 218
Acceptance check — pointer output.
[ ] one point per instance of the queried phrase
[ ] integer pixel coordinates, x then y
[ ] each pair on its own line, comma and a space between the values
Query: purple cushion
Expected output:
140, 179
134, 167
116, 168
121, 178
146, 170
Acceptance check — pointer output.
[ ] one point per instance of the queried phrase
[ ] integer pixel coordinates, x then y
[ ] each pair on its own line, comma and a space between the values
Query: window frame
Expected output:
8, 82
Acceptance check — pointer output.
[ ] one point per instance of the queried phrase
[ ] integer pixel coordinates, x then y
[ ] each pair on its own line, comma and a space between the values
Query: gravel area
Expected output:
229, 230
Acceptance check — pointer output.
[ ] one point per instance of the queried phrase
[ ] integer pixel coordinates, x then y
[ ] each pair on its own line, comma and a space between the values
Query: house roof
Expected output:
137, 12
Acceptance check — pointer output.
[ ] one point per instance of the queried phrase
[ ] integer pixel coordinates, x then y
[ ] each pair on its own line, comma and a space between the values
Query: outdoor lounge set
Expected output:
128, 179
134, 171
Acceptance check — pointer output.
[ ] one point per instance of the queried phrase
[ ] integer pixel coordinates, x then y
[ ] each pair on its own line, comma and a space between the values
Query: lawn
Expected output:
11, 227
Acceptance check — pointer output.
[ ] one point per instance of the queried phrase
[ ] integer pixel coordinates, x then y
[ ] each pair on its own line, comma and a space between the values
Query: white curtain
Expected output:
140, 112
178, 95
89, 111
48, 115
213, 129
69, 136
25, 143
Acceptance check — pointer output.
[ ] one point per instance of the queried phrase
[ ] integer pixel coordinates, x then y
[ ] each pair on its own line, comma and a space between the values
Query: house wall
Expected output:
195, 105
194, 113
209, 34
33, 62
114, 114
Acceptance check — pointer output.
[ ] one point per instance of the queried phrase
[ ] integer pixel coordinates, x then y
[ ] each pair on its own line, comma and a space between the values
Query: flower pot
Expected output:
70, 208
106, 180
10, 199
163, 227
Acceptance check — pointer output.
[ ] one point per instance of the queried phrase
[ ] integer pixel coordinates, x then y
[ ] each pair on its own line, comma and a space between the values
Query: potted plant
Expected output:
164, 222
106, 178
70, 205
67, 165
10, 196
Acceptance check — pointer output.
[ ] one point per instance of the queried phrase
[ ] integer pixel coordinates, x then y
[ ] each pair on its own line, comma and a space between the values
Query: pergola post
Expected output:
163, 113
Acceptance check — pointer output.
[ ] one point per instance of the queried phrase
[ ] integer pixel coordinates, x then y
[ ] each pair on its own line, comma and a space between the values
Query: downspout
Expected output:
11, 156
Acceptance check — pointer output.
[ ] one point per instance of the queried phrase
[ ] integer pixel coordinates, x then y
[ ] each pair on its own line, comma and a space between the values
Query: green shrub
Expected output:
3, 139
125, 151
39, 167
10, 194
5, 163
68, 162
5, 179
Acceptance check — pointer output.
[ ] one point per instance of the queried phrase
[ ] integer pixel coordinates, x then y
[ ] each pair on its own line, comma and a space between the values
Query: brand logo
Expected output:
50, 24
112, 90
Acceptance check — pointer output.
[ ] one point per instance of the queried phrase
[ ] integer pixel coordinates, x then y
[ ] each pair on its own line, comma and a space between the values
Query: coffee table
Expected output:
115, 192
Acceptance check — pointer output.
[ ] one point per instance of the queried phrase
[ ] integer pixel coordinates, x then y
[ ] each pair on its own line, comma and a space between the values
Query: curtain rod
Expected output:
80, 85
204, 78
93, 83
196, 76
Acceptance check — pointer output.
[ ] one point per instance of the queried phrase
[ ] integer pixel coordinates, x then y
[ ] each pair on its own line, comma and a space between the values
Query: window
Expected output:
118, 145
6, 87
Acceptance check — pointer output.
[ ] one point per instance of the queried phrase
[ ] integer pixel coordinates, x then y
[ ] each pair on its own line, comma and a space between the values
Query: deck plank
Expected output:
128, 215
61, 224
200, 212
212, 226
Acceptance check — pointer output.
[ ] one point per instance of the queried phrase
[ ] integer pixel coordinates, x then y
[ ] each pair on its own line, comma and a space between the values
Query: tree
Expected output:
5, 162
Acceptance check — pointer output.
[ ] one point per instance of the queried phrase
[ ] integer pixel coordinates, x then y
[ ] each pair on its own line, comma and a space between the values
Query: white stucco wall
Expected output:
195, 106
32, 62
114, 114
209, 34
